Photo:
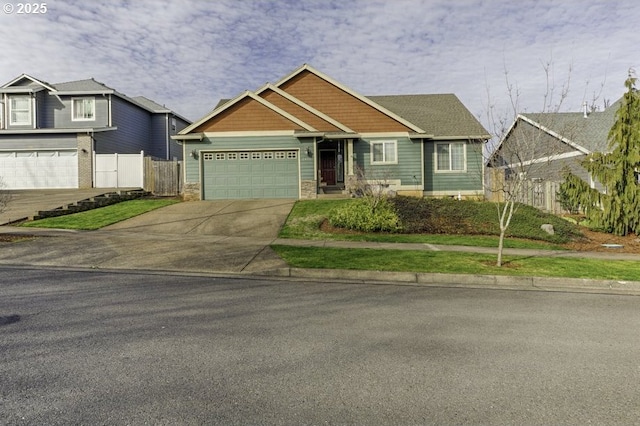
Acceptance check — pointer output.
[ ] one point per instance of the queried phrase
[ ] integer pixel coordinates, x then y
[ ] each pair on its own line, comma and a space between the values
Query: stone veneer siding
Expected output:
191, 191
308, 189
85, 161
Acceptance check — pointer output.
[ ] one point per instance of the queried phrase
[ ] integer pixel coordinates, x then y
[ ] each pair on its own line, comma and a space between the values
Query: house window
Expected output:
83, 109
384, 152
207, 156
256, 155
292, 155
244, 155
268, 155
220, 156
20, 110
451, 157
280, 155
232, 156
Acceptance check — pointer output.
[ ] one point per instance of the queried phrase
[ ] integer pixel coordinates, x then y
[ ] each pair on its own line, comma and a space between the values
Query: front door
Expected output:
328, 166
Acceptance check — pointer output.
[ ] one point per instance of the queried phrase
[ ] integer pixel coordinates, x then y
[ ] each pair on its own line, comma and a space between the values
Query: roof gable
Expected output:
247, 112
296, 107
341, 103
25, 82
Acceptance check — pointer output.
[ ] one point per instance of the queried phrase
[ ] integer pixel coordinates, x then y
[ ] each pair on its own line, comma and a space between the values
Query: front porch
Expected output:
334, 162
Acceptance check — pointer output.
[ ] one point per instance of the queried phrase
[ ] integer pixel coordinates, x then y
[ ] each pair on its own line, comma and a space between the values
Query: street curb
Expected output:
502, 282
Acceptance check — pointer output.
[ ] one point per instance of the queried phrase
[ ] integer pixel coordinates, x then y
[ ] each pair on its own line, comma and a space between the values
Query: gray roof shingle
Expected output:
591, 132
442, 115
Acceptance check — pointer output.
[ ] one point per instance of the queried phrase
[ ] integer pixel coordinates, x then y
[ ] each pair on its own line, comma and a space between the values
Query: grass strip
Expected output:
456, 262
101, 217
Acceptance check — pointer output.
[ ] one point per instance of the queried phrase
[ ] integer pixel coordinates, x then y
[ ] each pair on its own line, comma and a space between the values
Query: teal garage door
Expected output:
250, 174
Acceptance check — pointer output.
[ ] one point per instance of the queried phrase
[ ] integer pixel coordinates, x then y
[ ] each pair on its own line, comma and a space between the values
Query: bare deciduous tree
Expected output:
527, 146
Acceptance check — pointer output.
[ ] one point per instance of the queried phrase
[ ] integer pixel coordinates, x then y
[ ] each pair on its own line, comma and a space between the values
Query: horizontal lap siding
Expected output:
192, 165
133, 133
471, 180
408, 169
60, 108
38, 142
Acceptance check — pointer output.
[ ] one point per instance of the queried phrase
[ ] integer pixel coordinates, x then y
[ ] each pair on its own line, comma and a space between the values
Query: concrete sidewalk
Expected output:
221, 255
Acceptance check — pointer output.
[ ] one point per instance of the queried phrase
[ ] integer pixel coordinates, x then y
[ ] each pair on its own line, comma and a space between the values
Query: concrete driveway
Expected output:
198, 236
231, 218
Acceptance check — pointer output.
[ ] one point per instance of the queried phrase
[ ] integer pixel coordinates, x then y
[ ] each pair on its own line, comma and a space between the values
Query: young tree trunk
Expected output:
505, 219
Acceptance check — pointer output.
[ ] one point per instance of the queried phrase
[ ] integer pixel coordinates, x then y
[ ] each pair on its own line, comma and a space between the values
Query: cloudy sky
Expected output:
187, 54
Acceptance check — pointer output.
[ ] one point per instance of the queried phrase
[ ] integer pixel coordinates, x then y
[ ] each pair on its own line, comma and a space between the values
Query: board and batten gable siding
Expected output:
450, 183
62, 114
248, 143
408, 167
133, 130
38, 142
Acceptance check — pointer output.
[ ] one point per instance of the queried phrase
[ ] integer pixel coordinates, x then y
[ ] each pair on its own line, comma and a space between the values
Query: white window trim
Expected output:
73, 108
435, 158
29, 110
384, 162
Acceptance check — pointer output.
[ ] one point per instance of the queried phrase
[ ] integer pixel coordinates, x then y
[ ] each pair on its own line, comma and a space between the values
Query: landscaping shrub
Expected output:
366, 216
466, 217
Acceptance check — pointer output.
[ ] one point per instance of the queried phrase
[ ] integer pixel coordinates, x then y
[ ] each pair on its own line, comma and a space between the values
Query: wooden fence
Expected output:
162, 177
540, 194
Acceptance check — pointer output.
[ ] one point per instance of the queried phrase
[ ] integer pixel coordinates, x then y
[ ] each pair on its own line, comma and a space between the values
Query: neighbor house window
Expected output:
83, 109
384, 152
20, 110
450, 157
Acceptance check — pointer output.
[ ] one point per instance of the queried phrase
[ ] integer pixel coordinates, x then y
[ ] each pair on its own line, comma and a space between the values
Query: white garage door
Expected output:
39, 169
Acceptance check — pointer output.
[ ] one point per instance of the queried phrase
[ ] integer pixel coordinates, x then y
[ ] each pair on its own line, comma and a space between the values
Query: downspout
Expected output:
93, 160
109, 114
34, 115
166, 135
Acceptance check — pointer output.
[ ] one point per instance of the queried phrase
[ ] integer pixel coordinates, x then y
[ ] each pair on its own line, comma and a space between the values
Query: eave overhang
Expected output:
192, 137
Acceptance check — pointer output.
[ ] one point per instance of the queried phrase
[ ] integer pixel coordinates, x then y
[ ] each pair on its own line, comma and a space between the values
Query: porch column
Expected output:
349, 157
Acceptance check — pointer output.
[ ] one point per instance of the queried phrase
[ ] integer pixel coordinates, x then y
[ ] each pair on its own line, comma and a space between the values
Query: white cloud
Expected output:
189, 54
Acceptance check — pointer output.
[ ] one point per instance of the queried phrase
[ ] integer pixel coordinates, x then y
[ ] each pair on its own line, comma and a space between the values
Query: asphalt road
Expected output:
89, 347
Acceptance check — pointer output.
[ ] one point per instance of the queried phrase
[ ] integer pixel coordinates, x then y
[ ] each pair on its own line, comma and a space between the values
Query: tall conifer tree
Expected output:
617, 209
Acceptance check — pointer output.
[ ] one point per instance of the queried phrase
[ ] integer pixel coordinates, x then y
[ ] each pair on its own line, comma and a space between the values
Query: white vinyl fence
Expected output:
119, 170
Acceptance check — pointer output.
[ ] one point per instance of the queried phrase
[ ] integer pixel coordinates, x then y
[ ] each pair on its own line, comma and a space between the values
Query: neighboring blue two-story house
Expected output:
49, 133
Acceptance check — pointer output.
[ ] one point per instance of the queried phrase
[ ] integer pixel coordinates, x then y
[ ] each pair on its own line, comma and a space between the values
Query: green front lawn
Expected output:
306, 218
464, 223
103, 216
456, 263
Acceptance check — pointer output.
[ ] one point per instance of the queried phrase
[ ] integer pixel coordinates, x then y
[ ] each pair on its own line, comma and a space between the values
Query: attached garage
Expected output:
39, 169
250, 174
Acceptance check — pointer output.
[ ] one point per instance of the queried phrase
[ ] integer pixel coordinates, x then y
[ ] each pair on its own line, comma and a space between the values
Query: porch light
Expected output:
309, 151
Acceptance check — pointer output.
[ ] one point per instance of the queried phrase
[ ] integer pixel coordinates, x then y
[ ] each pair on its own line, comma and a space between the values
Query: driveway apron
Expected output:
199, 236
225, 236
